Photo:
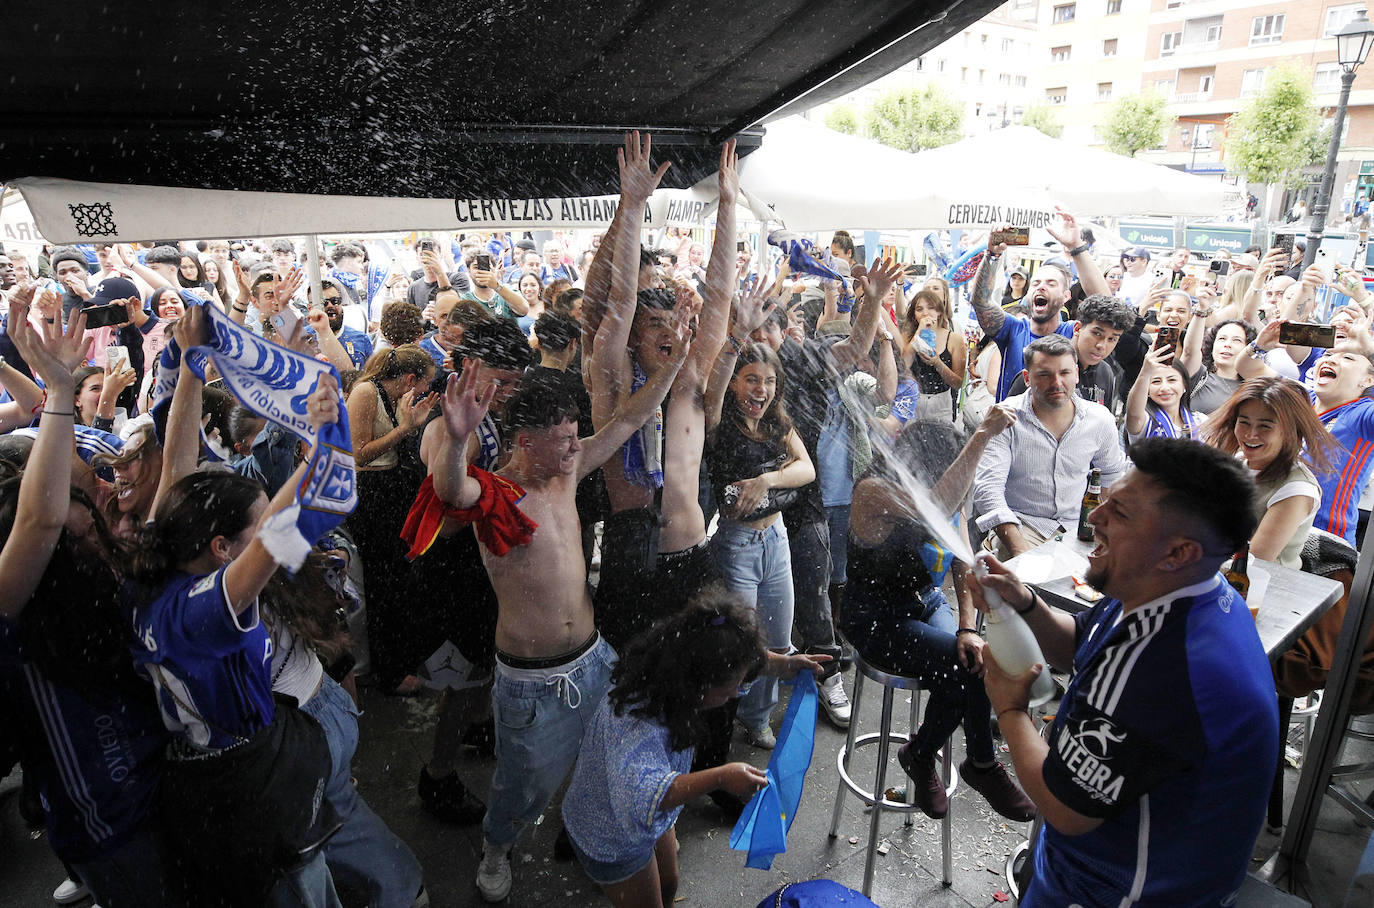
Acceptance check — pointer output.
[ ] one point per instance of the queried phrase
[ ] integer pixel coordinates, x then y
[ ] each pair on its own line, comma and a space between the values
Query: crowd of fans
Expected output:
563, 455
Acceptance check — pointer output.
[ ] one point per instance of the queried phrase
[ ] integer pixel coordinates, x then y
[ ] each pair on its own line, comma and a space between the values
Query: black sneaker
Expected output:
930, 790
999, 790
448, 799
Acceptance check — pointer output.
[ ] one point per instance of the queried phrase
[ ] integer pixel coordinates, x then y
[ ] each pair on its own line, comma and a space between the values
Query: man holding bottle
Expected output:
1164, 745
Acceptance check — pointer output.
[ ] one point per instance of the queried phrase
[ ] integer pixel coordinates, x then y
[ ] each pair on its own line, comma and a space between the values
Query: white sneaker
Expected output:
835, 701
70, 891
762, 738
493, 874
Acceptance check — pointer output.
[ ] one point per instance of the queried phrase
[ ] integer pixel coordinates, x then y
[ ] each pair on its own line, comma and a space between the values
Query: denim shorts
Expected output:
607, 874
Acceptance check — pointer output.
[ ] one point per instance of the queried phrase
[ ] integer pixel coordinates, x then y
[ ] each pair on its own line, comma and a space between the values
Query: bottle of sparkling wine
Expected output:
1013, 643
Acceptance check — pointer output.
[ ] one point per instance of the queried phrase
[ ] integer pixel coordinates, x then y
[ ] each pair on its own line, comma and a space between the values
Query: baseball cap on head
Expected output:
1136, 252
112, 289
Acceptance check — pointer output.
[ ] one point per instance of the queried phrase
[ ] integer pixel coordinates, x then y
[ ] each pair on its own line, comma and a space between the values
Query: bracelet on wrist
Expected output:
1078, 250
1028, 609
966, 630
733, 345
1023, 710
59, 412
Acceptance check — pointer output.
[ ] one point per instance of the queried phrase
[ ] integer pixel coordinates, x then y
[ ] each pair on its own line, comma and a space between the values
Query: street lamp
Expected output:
1352, 47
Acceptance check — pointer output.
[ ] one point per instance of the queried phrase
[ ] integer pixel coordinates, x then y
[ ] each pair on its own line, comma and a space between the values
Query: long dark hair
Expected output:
198, 508
663, 673
73, 629
1296, 419
774, 424
1185, 400
309, 606
199, 279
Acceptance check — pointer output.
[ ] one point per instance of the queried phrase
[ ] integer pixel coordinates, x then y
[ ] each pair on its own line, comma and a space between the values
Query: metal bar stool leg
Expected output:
947, 824
848, 750
879, 784
912, 725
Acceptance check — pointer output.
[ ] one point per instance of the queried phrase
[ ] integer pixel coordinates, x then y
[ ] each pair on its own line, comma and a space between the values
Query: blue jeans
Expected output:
308, 886
916, 639
837, 516
756, 564
364, 853
540, 717
809, 547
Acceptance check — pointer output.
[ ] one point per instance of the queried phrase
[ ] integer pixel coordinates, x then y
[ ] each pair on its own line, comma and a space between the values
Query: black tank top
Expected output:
928, 377
734, 456
891, 575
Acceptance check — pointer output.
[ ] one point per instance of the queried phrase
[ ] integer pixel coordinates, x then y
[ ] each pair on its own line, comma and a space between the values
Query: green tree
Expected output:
1277, 132
843, 118
1136, 122
914, 119
1043, 118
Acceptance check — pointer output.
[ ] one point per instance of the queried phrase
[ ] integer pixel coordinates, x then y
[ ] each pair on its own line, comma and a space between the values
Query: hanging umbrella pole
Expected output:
313, 266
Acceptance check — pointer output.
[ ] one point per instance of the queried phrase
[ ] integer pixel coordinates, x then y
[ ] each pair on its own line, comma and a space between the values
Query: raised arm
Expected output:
1271, 265
1070, 236
463, 410
1191, 358
985, 302
751, 312
329, 343
247, 574
854, 349
45, 489
27, 396
954, 483
181, 447
1137, 413
720, 270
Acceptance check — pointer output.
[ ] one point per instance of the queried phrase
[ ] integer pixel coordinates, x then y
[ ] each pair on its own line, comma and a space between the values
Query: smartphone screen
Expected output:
105, 316
1303, 334
1284, 241
1015, 236
483, 261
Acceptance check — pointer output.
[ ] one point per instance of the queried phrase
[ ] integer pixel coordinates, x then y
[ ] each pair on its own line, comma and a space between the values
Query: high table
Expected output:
1293, 601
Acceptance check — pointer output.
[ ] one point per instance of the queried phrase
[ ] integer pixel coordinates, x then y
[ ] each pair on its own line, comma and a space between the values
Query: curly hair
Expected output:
664, 673
402, 323
1210, 338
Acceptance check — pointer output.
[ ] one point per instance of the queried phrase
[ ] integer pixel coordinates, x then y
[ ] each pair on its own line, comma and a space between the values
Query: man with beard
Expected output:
1145, 804
1031, 478
1049, 293
1100, 325
355, 343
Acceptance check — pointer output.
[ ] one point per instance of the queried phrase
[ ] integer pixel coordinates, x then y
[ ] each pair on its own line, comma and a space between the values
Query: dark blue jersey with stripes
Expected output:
1168, 734
103, 761
1352, 424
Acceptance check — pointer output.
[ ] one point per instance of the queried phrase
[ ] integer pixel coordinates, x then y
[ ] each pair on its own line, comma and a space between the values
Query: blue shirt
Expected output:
99, 783
356, 344
624, 768
431, 346
834, 459
1169, 734
1012, 339
1353, 426
211, 668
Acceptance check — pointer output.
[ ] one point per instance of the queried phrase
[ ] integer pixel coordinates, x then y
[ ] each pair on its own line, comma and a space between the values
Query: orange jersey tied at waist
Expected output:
495, 516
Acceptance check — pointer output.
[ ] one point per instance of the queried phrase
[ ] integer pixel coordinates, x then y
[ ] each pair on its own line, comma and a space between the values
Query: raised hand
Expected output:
999, 247
49, 349
322, 406
753, 310
463, 409
412, 409
637, 179
880, 278
241, 277
999, 418
1155, 359
192, 329
1065, 229
727, 179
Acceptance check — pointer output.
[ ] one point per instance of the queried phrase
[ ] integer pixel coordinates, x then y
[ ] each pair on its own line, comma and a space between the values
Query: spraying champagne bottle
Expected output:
1013, 642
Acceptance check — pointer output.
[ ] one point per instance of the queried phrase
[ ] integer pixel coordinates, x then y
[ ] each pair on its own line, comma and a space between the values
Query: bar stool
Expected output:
883, 737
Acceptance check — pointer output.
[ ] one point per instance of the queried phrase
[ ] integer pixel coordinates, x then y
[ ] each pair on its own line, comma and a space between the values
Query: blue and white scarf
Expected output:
275, 383
1161, 426
804, 258
643, 453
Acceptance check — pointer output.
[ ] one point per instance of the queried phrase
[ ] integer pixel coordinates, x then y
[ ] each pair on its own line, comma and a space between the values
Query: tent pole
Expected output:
313, 264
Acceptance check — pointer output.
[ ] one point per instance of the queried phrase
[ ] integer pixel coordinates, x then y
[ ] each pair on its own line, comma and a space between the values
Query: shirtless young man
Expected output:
552, 668
654, 559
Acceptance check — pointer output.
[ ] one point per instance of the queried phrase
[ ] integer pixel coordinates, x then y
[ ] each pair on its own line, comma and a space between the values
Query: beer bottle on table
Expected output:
1091, 499
1238, 574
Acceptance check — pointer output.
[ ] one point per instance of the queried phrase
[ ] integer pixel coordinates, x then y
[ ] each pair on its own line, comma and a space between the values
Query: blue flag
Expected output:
762, 828
275, 383
804, 258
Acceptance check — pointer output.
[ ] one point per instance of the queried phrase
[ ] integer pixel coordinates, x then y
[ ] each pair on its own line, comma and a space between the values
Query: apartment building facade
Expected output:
1210, 56
1091, 53
990, 67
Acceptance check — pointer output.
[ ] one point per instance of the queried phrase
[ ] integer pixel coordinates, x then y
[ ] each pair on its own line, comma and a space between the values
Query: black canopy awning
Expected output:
430, 99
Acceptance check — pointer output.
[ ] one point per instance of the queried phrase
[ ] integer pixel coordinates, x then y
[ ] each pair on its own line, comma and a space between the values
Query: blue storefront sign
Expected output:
1144, 233
1212, 240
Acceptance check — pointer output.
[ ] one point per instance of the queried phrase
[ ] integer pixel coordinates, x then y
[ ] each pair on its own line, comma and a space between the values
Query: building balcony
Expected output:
1191, 97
